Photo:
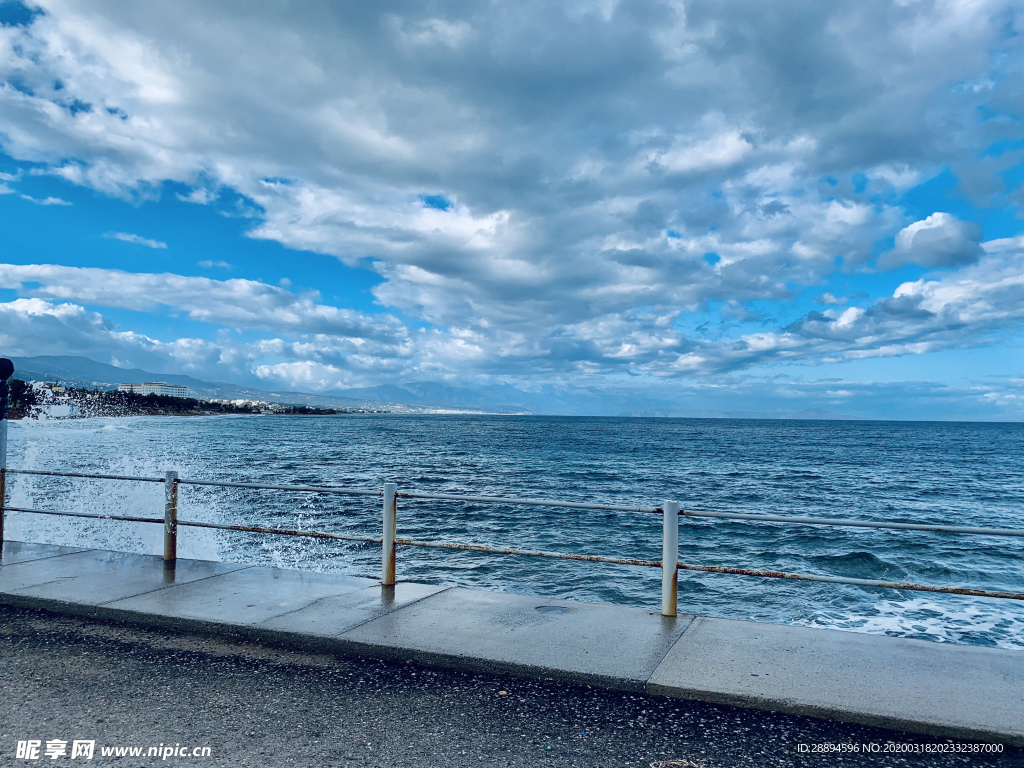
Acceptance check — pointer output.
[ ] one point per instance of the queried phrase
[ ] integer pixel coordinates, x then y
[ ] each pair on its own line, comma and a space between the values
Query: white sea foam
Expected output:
1002, 621
36, 442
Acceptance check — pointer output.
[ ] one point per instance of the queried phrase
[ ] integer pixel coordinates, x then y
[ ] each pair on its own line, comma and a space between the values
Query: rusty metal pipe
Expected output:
530, 553
390, 526
669, 558
298, 488
171, 517
759, 518
197, 524
88, 476
279, 531
123, 518
529, 502
715, 569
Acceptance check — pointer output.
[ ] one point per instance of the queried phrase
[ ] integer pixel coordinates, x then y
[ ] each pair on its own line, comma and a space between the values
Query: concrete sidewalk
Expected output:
955, 691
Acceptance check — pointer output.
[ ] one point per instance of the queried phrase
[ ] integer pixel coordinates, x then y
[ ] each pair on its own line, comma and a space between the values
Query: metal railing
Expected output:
389, 541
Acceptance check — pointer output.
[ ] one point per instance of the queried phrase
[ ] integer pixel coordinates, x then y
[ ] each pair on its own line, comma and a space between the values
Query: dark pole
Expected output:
6, 371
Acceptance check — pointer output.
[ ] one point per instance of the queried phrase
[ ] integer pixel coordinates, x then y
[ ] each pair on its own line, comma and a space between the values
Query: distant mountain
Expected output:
431, 393
83, 372
503, 398
410, 397
819, 414
421, 397
584, 402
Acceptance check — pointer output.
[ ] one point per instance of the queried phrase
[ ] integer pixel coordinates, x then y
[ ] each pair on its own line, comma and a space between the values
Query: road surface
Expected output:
65, 679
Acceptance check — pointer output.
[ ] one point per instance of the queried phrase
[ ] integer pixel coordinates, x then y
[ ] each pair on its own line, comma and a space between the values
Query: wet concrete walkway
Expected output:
955, 691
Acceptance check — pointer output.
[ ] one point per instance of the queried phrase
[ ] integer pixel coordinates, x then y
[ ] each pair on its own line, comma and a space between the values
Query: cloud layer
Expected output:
127, 237
548, 189
321, 347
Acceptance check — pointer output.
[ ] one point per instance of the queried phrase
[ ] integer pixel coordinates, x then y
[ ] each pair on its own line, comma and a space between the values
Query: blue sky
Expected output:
665, 204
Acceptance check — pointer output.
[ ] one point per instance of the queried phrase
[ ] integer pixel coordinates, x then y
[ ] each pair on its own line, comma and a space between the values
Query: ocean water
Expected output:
953, 473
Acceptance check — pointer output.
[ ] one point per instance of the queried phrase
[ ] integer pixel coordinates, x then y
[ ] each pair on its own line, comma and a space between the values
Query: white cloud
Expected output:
136, 239
966, 308
689, 156
428, 32
306, 375
941, 240
198, 195
828, 298
233, 303
900, 177
36, 326
31, 325
44, 200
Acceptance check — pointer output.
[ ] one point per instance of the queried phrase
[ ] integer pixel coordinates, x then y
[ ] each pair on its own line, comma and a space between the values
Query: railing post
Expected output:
6, 371
669, 558
390, 525
170, 517
3, 499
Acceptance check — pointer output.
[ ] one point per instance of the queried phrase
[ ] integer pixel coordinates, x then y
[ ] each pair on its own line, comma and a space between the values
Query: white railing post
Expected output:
390, 525
170, 517
669, 558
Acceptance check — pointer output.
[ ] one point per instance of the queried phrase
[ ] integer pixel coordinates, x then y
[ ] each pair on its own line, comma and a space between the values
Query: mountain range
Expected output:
79, 371
411, 397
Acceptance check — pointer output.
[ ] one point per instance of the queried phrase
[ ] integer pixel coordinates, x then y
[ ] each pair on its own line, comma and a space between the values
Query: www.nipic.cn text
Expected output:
53, 749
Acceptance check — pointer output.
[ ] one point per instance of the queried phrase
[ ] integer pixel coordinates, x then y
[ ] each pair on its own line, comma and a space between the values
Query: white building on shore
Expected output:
154, 388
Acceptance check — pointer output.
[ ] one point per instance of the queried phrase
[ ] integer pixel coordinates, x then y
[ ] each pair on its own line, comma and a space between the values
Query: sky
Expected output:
730, 205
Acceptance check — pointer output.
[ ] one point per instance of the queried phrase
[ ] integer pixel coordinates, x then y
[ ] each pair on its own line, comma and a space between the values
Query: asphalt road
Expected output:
69, 678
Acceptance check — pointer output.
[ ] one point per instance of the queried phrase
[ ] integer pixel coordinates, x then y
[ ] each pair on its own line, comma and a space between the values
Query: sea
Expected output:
931, 472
